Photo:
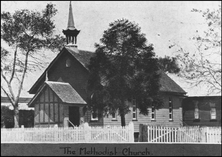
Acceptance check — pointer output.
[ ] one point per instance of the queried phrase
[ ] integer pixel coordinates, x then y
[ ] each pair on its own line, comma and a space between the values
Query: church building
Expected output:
60, 93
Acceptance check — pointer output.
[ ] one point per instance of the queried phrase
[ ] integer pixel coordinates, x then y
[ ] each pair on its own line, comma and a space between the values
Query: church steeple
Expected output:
71, 32
70, 19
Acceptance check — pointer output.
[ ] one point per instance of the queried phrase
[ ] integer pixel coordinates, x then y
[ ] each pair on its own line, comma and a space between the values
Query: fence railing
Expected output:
189, 134
83, 133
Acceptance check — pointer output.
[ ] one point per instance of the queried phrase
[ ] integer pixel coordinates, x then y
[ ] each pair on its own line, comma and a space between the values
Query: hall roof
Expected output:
167, 84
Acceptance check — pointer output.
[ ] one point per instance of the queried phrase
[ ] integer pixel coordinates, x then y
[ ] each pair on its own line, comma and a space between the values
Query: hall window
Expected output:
153, 112
94, 115
170, 109
196, 112
134, 110
114, 116
213, 114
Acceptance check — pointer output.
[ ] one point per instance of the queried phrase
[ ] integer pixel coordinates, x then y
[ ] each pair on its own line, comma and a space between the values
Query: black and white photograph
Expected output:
111, 78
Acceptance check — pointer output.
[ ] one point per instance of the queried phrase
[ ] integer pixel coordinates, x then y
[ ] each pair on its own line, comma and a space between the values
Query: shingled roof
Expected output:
65, 92
82, 56
167, 84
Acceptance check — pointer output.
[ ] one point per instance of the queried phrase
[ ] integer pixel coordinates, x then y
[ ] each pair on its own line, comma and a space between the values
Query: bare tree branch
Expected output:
14, 63
9, 96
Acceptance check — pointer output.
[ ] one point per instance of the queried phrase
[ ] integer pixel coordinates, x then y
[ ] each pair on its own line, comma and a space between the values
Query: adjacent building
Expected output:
202, 111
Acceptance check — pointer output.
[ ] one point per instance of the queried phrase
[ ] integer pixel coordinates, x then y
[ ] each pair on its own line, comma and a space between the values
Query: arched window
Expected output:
68, 62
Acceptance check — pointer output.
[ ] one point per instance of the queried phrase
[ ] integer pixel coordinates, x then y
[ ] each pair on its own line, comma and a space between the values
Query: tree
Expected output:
169, 64
25, 33
123, 68
203, 65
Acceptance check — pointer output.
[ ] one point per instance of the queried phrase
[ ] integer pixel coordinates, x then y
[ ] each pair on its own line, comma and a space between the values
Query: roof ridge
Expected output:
56, 82
86, 50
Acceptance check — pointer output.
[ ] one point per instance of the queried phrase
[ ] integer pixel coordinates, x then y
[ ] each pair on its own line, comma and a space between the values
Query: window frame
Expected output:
153, 113
114, 118
96, 118
134, 110
196, 112
170, 103
211, 111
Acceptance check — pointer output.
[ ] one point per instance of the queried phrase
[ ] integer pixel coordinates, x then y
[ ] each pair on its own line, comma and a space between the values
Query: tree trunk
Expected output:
16, 117
123, 123
122, 115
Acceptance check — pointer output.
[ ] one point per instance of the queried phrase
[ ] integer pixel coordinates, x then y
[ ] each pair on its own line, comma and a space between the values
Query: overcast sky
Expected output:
163, 22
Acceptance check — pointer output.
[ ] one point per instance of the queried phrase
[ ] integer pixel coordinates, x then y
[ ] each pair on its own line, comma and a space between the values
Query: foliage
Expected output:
169, 64
7, 120
25, 34
203, 65
124, 68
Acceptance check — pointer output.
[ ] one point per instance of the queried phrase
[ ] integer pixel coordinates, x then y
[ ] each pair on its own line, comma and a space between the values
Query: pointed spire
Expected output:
71, 32
70, 19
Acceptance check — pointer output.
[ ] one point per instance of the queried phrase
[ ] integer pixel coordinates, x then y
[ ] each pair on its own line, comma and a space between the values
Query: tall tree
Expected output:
24, 33
124, 68
203, 65
169, 64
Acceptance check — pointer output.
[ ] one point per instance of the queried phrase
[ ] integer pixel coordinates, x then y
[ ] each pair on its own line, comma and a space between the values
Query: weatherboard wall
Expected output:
161, 116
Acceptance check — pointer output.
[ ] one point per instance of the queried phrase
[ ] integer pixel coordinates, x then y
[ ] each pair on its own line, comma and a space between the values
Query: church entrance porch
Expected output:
74, 116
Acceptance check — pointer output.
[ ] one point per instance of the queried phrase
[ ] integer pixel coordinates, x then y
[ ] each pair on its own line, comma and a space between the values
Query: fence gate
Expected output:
161, 134
110, 133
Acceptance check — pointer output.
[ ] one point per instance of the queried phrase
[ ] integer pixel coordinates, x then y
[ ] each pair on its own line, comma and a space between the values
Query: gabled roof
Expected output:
82, 56
167, 84
65, 92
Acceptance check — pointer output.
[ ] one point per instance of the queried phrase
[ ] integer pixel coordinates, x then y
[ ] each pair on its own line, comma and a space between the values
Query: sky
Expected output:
163, 23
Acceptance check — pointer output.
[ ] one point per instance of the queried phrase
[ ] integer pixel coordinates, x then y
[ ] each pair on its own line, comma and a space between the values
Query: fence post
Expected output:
23, 133
87, 131
131, 132
143, 133
207, 139
140, 133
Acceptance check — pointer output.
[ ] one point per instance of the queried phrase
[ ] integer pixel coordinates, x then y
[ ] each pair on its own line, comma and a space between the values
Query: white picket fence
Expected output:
83, 133
188, 134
